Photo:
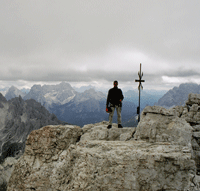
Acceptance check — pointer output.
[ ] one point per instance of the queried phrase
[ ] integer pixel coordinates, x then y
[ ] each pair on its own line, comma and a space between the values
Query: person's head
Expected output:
115, 83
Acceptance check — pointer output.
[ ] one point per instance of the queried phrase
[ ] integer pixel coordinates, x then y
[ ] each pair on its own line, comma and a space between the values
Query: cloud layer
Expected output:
87, 41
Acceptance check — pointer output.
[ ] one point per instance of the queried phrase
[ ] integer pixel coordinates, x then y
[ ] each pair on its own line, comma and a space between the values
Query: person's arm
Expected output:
108, 99
121, 96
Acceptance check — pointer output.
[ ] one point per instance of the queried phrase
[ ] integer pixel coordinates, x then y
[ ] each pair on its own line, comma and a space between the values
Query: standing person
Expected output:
115, 98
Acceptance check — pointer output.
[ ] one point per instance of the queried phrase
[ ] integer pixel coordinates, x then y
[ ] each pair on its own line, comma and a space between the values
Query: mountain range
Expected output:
86, 105
178, 95
147, 97
17, 119
14, 92
51, 94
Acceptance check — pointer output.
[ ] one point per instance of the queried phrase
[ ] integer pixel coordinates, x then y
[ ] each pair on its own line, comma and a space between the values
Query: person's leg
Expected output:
111, 115
119, 118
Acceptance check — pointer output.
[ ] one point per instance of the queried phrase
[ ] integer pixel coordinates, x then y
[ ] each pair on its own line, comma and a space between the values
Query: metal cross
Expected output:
140, 85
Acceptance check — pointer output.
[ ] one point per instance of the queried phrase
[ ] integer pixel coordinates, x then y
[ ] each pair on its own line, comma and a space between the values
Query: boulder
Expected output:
159, 125
193, 99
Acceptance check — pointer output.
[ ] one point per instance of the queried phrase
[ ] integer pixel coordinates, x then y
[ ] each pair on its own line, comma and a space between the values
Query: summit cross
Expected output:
139, 86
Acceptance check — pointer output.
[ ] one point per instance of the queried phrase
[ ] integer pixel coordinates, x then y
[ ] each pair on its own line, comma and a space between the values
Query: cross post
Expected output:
139, 86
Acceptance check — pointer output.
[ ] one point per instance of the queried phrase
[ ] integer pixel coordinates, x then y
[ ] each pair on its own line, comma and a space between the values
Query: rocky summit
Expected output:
161, 153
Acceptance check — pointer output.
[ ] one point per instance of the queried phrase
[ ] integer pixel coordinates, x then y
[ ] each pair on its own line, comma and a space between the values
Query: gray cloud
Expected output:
99, 40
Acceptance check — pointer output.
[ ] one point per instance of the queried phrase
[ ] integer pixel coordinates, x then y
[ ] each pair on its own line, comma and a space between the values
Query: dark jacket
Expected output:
114, 95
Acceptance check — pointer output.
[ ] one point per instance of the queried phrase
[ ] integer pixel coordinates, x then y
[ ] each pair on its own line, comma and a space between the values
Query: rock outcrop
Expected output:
6, 169
160, 154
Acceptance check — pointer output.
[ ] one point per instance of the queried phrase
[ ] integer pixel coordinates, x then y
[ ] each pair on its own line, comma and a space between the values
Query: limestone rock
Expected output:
55, 159
192, 113
193, 99
161, 125
44, 148
99, 131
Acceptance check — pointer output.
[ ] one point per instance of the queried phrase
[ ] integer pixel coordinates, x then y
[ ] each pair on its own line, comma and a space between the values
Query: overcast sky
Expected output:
98, 41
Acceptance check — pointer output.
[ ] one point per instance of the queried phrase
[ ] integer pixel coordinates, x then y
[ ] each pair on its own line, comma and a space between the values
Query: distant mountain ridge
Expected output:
87, 105
51, 94
17, 119
14, 92
67, 104
147, 97
178, 95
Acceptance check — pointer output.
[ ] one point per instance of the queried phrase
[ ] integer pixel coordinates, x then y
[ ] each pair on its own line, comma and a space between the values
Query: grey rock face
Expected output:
155, 127
5, 172
14, 92
18, 119
178, 95
164, 120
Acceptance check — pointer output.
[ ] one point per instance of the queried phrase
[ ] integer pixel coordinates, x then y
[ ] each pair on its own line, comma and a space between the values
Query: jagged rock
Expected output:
18, 119
193, 99
5, 171
99, 131
14, 92
99, 164
196, 128
2, 98
46, 144
161, 125
192, 110
44, 148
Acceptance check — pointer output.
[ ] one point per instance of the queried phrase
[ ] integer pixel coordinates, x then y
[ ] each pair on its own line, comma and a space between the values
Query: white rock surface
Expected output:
163, 155
99, 131
55, 159
163, 127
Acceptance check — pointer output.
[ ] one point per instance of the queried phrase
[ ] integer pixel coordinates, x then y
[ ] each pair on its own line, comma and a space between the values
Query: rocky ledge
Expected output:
160, 154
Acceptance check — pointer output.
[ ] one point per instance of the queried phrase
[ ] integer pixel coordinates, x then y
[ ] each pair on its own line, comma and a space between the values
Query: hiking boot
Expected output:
120, 126
109, 127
